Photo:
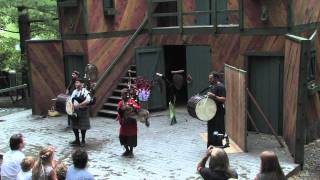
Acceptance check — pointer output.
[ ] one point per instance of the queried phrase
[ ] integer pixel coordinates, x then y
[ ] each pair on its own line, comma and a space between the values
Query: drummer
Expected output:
80, 98
217, 92
75, 74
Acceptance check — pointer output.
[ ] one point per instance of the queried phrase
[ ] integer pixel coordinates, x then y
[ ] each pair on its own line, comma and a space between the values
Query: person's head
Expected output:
125, 94
270, 163
61, 171
80, 158
78, 83
16, 142
214, 77
46, 155
45, 159
75, 74
219, 160
27, 164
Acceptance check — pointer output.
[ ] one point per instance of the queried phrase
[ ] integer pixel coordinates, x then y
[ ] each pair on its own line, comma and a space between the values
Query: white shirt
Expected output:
11, 164
78, 174
83, 91
24, 175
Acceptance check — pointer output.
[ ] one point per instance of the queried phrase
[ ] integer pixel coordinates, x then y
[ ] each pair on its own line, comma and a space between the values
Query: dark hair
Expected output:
270, 166
79, 79
61, 171
15, 141
215, 75
80, 158
76, 72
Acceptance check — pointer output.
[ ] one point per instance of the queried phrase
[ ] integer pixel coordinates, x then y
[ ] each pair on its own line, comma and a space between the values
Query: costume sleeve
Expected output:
222, 91
204, 172
88, 97
135, 104
73, 94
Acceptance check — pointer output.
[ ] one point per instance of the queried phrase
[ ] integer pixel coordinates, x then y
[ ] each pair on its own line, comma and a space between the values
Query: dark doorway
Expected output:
175, 59
266, 84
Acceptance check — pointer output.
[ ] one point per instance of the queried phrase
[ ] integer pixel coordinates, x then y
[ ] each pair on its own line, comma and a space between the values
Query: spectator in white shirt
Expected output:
12, 159
26, 168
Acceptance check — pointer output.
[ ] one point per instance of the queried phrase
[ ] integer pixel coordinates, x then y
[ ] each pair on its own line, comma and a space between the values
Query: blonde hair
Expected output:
27, 163
45, 158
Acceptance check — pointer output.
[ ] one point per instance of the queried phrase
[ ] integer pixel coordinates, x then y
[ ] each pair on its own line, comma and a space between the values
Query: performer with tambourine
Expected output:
80, 99
217, 92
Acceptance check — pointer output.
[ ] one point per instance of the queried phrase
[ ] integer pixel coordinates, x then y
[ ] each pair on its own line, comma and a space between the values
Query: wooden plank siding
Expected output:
277, 12
105, 59
129, 15
72, 19
236, 106
290, 93
47, 74
225, 48
306, 11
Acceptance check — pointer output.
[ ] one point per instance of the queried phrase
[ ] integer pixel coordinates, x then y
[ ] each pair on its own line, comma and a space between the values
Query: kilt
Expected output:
82, 121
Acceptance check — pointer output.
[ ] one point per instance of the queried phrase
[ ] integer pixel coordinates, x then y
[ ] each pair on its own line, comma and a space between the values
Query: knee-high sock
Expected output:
76, 134
83, 134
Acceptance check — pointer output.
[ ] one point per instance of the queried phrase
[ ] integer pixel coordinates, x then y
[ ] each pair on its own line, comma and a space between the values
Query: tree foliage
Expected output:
43, 21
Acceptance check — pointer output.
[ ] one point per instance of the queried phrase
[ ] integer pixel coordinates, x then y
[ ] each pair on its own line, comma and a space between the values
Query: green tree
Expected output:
21, 20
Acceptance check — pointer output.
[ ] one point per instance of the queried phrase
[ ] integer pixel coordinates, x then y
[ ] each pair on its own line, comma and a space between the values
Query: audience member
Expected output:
218, 165
44, 168
270, 168
11, 160
78, 171
61, 171
26, 168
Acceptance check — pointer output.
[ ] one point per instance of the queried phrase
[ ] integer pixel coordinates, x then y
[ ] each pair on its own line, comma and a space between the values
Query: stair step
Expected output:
115, 97
123, 84
127, 78
111, 104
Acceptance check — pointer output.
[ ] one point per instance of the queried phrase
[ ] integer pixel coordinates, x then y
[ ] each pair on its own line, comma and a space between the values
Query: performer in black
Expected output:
80, 98
75, 74
217, 92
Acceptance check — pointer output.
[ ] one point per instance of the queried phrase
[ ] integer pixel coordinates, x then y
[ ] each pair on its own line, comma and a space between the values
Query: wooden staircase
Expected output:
109, 108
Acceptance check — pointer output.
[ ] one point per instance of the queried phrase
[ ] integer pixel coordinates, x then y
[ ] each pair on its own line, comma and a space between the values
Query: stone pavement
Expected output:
163, 151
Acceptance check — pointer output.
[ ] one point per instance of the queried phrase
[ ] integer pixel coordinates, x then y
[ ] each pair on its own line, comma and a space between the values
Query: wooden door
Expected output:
71, 63
198, 67
265, 83
149, 61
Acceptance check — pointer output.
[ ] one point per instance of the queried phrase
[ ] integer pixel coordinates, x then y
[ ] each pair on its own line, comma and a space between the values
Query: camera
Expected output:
217, 140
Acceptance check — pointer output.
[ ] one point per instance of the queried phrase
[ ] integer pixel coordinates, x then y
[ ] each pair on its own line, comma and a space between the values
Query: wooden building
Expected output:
272, 45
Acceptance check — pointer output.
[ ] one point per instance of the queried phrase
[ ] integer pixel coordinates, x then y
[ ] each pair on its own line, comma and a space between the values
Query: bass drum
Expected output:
202, 107
64, 104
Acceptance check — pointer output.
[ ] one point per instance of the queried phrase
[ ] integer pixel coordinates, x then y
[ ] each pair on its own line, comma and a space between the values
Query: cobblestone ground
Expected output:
312, 162
163, 152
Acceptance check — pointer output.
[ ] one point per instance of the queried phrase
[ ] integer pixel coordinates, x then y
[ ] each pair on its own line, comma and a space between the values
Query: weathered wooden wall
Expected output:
306, 11
47, 73
277, 12
129, 15
73, 19
105, 59
225, 48
236, 106
290, 95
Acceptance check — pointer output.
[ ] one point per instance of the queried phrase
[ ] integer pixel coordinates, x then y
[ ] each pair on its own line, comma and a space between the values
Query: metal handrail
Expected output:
120, 54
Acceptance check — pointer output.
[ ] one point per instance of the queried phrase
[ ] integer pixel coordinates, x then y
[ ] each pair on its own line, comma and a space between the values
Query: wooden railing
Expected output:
214, 12
9, 90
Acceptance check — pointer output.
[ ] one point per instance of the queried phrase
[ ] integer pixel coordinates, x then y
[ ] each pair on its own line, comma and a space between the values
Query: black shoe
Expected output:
130, 154
83, 144
126, 153
75, 143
